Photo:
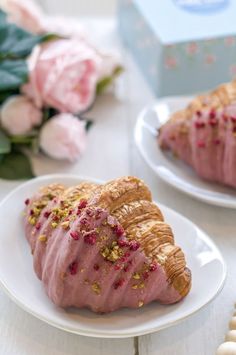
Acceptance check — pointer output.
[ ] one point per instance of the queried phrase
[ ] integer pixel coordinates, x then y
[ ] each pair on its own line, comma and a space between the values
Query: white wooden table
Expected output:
112, 153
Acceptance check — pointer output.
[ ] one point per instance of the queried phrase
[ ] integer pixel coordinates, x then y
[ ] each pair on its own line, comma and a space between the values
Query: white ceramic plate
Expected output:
172, 170
21, 284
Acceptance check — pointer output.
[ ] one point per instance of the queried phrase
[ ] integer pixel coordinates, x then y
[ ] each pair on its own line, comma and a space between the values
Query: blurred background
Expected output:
79, 7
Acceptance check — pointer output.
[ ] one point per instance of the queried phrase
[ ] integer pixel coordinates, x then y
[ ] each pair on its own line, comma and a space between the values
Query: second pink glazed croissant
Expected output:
204, 135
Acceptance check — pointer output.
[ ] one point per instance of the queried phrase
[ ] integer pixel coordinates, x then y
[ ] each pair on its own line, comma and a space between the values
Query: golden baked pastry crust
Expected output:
219, 98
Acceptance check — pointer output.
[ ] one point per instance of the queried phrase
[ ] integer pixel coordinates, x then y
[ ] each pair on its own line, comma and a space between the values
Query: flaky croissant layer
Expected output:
104, 247
204, 135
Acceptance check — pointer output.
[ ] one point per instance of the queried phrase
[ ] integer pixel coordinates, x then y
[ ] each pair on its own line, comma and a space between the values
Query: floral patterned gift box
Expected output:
182, 46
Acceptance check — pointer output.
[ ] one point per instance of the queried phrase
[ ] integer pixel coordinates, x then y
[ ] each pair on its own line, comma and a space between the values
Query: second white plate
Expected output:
21, 284
172, 170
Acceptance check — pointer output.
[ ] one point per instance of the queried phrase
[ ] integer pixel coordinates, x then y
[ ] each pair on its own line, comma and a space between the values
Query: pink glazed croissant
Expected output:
204, 135
104, 247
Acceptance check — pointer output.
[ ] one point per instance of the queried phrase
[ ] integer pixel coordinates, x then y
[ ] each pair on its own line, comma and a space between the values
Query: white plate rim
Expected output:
88, 333
212, 200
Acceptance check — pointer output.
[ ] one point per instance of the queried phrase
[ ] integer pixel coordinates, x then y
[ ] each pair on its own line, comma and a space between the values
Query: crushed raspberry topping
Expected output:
126, 268
117, 267
46, 214
127, 254
90, 212
213, 122
90, 238
200, 124
153, 266
212, 114
225, 117
82, 204
55, 218
73, 268
201, 144
27, 201
75, 235
134, 245
119, 283
233, 119
98, 213
216, 141
122, 242
198, 113
119, 230
145, 275
96, 267
38, 225
84, 221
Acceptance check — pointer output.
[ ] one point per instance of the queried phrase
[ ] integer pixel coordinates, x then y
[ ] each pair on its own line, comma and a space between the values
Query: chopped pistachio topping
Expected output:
112, 253
65, 224
136, 276
42, 238
63, 275
32, 220
96, 288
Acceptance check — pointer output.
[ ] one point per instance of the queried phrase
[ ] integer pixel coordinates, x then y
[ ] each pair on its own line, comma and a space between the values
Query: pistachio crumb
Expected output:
141, 285
96, 288
54, 224
63, 275
42, 238
65, 224
136, 276
32, 220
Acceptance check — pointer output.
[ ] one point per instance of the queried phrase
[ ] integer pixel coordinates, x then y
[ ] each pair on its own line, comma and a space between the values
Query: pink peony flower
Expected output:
19, 115
63, 137
25, 14
62, 74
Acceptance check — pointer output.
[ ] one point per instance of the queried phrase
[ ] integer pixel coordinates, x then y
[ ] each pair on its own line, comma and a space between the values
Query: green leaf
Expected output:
13, 73
107, 81
50, 37
35, 145
14, 41
88, 125
49, 112
5, 145
5, 94
15, 45
21, 139
15, 166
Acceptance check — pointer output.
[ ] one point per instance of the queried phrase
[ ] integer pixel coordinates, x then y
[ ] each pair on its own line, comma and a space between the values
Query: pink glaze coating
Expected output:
207, 142
75, 273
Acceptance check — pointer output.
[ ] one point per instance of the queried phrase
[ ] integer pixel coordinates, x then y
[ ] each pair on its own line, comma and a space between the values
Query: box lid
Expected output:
176, 21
